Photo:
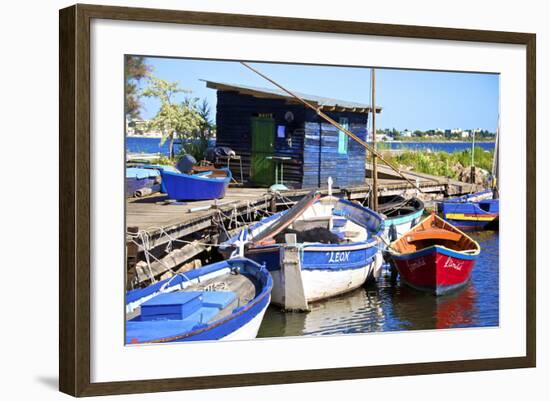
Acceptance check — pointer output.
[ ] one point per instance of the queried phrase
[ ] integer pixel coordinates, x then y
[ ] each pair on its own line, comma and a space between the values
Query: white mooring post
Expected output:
294, 293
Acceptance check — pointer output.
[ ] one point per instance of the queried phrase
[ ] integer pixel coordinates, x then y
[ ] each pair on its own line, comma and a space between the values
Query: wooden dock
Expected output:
175, 233
163, 220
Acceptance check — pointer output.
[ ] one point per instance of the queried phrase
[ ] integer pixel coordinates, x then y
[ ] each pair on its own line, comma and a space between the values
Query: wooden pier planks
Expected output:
145, 214
178, 221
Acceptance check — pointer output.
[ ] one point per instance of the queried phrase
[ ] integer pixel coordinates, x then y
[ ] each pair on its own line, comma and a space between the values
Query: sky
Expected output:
414, 100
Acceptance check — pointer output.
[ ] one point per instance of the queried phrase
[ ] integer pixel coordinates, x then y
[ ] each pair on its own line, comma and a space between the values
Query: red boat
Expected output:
434, 256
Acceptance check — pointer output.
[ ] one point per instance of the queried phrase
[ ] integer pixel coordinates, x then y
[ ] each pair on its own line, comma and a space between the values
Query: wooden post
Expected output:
374, 197
131, 249
131, 259
473, 168
273, 203
294, 293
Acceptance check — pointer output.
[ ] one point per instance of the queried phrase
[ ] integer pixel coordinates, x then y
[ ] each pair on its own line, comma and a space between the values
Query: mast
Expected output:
472, 167
494, 170
374, 198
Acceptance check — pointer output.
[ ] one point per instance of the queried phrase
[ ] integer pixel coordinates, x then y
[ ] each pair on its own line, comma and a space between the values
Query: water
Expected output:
148, 145
387, 307
152, 145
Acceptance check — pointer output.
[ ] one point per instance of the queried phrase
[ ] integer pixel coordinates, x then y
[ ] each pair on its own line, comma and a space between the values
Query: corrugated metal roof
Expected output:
323, 102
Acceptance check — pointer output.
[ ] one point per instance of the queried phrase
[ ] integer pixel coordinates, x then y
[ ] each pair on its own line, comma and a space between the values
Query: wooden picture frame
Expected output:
75, 207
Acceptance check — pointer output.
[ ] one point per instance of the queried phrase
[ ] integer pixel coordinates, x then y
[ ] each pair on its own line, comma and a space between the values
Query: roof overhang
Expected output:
269, 94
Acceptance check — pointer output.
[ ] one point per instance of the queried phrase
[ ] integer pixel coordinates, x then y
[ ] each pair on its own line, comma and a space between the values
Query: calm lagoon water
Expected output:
152, 145
393, 307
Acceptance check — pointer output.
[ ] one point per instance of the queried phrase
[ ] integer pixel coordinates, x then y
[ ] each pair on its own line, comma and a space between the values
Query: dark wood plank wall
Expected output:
322, 160
233, 125
301, 143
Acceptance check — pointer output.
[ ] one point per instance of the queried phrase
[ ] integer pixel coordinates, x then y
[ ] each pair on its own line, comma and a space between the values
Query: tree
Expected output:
135, 69
203, 109
180, 119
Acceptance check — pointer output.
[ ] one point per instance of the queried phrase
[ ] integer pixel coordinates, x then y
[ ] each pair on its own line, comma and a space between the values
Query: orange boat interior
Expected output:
434, 231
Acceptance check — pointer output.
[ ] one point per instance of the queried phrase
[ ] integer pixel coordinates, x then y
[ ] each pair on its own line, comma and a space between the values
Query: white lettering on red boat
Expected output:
458, 265
413, 265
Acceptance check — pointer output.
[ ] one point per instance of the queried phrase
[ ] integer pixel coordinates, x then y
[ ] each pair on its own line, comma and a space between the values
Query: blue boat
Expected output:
224, 300
400, 215
203, 185
143, 178
336, 249
141, 181
471, 212
475, 197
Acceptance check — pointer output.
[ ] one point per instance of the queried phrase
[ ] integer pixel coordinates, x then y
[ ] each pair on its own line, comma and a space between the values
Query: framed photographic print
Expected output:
250, 200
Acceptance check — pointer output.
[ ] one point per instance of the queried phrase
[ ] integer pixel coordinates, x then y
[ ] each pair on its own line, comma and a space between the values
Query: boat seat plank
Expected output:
434, 233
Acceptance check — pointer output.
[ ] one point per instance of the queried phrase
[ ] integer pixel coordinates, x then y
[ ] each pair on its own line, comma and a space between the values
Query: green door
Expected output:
262, 170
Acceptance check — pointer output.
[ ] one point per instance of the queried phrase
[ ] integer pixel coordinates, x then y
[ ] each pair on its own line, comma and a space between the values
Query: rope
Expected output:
163, 288
163, 232
144, 236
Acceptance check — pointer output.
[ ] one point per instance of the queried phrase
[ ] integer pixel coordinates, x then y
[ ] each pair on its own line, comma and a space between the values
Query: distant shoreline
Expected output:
417, 141
144, 136
434, 141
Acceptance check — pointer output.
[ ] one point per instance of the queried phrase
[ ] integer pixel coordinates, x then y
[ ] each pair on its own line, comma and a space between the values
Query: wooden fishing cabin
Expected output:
273, 133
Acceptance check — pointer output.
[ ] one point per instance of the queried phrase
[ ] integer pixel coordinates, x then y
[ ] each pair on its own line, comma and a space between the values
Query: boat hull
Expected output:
180, 186
469, 216
472, 223
141, 178
436, 269
326, 271
133, 185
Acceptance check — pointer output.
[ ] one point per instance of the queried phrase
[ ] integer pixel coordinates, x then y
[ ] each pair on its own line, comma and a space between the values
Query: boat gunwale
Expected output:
374, 239
445, 250
419, 209
201, 178
398, 220
466, 254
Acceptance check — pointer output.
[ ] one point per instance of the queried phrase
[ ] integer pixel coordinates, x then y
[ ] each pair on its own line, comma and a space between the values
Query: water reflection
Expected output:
392, 306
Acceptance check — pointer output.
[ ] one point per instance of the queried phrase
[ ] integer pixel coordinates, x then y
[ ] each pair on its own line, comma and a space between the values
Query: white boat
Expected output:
320, 248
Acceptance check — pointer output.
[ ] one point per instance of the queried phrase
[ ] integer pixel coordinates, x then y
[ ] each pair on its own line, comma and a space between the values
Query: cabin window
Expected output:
342, 136
281, 129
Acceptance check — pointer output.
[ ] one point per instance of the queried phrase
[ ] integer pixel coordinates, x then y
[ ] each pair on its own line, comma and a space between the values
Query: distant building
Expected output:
406, 133
383, 137
140, 128
465, 134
